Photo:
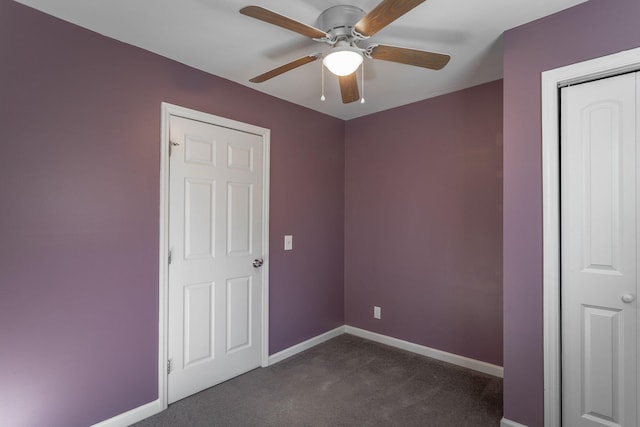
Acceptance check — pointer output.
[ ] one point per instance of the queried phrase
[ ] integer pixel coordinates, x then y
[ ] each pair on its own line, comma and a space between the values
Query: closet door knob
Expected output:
627, 298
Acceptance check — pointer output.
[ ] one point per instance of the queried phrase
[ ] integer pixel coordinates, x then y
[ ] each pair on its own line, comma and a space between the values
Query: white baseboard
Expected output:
305, 345
508, 423
133, 416
476, 365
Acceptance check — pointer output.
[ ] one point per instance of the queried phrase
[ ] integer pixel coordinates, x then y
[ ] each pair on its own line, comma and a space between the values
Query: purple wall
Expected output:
423, 222
80, 127
587, 31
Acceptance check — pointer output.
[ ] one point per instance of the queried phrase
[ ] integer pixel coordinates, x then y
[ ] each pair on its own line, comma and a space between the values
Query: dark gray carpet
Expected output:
347, 381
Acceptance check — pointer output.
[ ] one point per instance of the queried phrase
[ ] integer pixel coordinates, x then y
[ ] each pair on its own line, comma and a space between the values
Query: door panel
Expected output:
239, 218
200, 207
599, 253
601, 350
239, 310
198, 322
215, 233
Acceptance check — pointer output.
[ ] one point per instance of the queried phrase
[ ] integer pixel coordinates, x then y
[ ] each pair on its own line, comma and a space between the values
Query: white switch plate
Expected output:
377, 312
288, 242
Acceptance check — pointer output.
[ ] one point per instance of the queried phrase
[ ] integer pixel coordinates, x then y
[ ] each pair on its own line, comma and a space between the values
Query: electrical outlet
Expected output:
377, 312
288, 242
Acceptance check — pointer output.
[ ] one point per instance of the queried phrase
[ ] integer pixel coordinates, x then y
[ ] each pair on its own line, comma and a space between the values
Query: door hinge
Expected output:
169, 256
169, 366
171, 145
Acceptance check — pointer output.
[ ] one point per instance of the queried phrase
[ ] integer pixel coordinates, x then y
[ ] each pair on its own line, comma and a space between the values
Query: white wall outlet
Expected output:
377, 312
288, 242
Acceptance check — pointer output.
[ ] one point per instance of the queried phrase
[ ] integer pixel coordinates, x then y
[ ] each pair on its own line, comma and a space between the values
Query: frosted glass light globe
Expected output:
343, 60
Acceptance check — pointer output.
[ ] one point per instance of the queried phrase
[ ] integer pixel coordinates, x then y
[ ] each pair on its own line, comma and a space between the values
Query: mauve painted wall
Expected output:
423, 234
590, 30
80, 128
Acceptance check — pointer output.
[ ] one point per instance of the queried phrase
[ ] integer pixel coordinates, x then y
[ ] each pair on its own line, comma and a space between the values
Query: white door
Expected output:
215, 234
599, 213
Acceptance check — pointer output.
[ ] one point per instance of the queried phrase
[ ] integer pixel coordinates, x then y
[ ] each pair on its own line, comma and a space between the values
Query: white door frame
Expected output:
552, 80
174, 110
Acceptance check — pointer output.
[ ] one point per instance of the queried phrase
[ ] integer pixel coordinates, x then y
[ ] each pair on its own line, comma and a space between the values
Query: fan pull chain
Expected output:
322, 98
362, 97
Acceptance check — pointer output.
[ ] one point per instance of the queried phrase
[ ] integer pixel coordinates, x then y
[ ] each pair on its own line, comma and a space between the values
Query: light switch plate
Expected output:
288, 242
377, 312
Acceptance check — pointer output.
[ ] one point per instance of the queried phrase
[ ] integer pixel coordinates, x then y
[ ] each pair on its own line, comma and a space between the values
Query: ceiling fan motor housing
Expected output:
337, 21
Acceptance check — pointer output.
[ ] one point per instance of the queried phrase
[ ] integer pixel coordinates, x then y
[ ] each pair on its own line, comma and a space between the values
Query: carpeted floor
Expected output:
347, 381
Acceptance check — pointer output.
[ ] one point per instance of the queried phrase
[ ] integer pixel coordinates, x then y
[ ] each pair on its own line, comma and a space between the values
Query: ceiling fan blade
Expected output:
349, 88
384, 14
274, 18
284, 68
418, 58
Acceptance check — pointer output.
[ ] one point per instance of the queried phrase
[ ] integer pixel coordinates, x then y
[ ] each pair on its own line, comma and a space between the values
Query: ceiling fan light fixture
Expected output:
343, 60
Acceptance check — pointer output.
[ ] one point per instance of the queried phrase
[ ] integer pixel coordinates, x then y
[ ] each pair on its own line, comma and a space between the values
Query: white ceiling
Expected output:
212, 36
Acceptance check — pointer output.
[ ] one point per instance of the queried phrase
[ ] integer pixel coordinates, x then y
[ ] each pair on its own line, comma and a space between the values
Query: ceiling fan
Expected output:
342, 28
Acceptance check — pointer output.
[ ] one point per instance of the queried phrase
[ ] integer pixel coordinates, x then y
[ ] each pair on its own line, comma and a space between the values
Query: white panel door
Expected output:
599, 212
215, 234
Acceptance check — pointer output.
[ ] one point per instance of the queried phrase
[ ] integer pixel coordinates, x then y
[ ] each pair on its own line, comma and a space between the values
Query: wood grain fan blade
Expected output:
284, 68
274, 18
385, 13
349, 88
418, 58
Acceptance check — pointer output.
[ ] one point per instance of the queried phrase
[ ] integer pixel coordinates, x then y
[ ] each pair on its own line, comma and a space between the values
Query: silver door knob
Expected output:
627, 298
258, 262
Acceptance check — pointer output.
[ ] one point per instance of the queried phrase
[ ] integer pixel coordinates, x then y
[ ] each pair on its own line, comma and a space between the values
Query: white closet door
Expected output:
599, 212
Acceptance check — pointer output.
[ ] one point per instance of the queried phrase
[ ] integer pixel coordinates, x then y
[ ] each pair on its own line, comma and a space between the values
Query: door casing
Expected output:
552, 80
168, 110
